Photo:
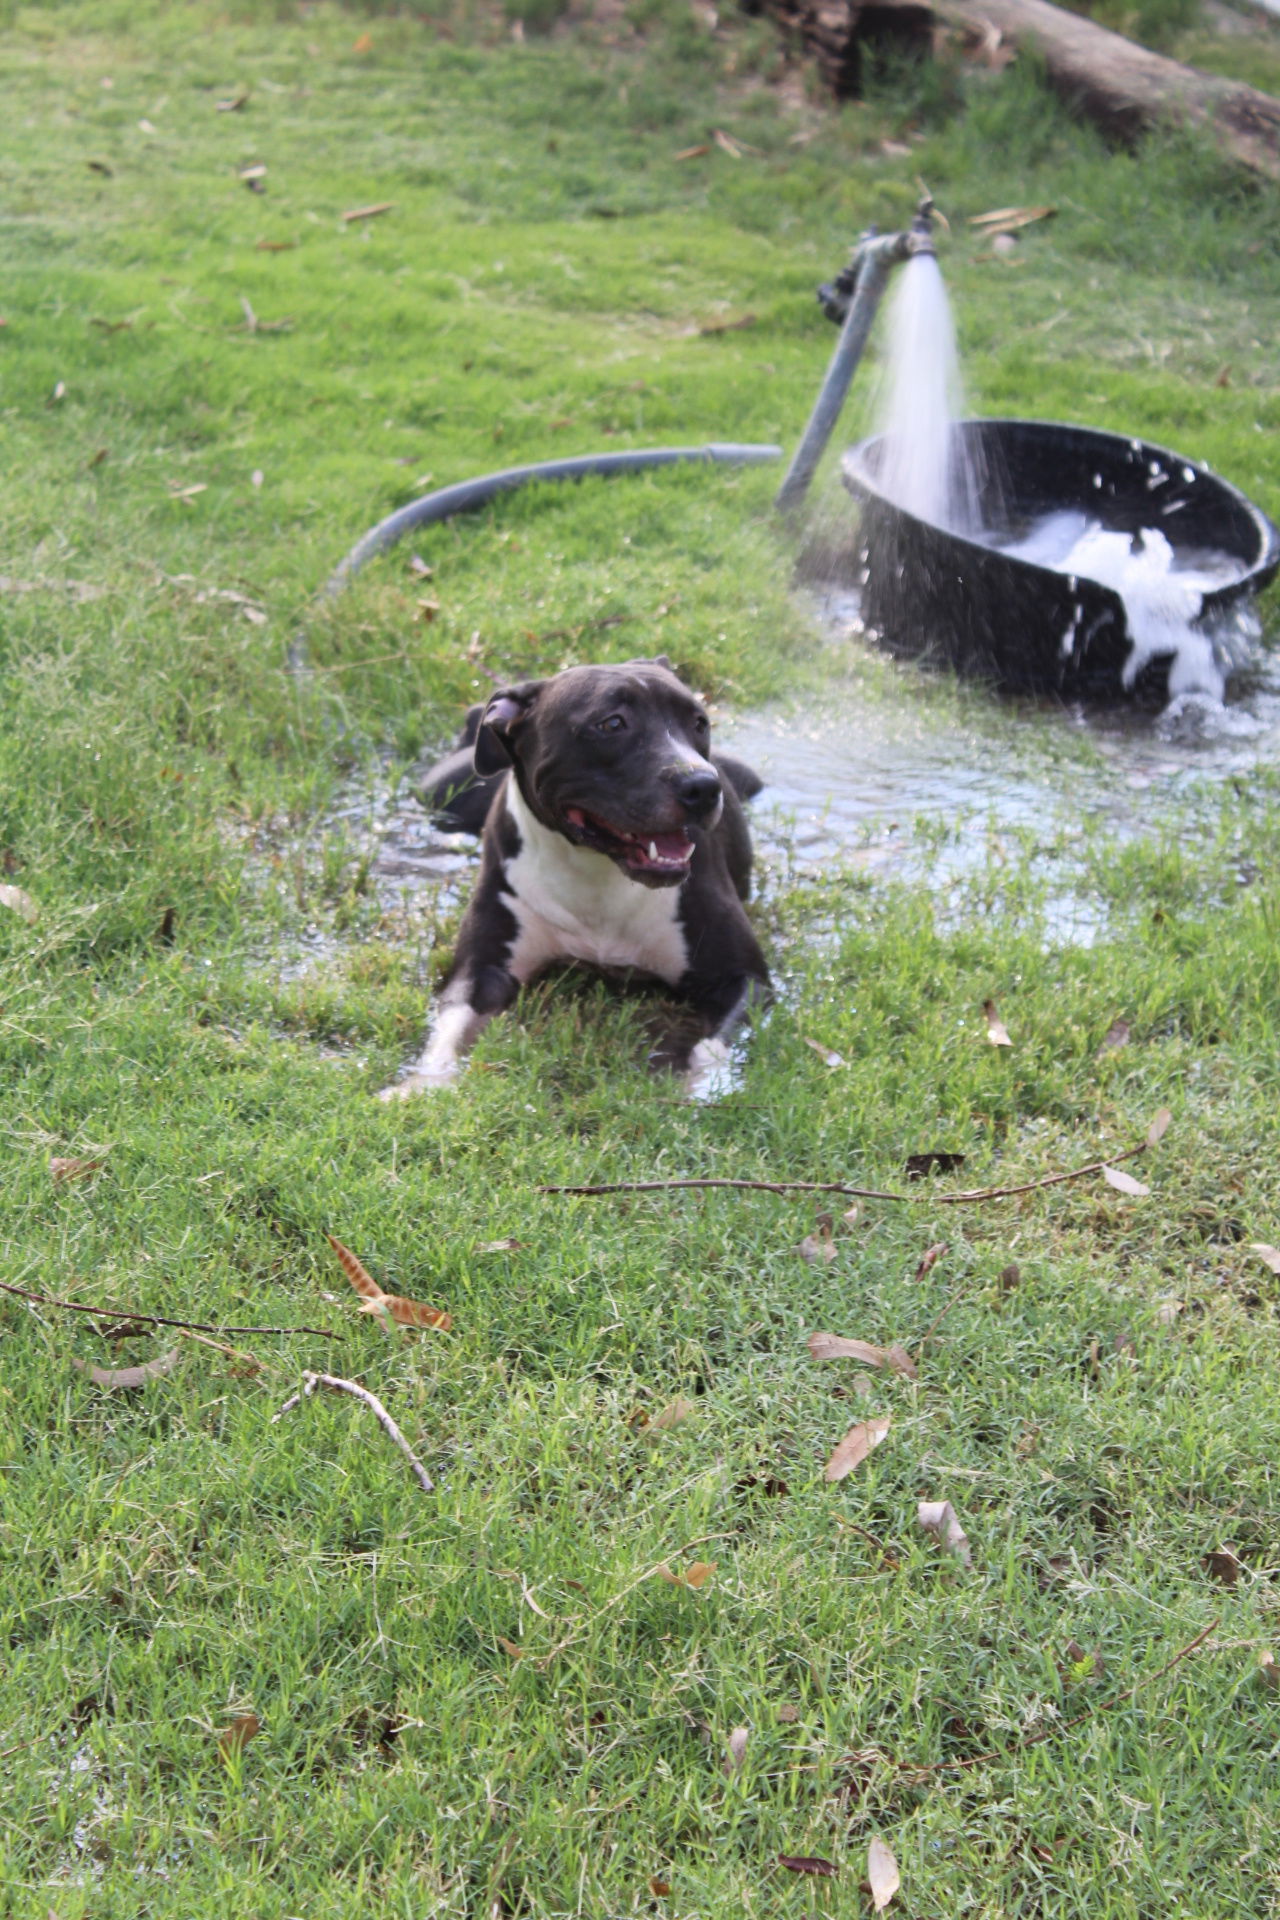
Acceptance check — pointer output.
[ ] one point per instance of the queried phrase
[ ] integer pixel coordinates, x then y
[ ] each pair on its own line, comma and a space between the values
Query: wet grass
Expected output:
487, 1701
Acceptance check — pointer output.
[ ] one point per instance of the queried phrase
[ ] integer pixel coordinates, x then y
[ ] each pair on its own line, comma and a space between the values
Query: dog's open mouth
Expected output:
653, 853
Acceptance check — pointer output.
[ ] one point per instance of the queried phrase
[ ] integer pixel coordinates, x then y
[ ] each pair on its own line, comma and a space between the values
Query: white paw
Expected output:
424, 1080
710, 1070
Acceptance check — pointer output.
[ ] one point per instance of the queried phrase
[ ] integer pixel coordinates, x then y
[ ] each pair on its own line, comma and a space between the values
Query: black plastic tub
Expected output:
941, 596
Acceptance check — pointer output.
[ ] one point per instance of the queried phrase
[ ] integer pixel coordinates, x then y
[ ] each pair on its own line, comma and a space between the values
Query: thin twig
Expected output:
151, 1319
310, 1381
859, 1193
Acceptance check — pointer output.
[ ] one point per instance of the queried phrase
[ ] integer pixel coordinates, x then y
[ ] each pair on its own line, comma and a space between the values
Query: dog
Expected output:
611, 835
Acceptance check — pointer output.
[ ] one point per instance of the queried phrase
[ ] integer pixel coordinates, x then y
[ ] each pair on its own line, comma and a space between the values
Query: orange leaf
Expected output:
358, 1275
236, 1737
509, 1646
833, 1346
409, 1313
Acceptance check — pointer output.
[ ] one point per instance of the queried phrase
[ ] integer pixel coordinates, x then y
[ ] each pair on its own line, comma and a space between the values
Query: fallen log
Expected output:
1123, 88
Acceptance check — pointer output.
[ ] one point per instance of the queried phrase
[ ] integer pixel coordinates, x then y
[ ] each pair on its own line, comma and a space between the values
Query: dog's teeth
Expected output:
653, 849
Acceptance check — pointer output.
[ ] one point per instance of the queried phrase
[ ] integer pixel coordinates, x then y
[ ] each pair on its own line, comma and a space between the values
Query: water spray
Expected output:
851, 300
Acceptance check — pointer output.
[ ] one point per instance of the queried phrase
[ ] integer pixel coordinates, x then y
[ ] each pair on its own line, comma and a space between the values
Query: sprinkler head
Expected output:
920, 238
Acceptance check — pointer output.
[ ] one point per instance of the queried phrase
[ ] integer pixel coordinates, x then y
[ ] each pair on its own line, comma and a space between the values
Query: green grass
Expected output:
174, 1557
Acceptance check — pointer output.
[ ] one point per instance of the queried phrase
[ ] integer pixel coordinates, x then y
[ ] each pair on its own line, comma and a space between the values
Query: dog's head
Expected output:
613, 758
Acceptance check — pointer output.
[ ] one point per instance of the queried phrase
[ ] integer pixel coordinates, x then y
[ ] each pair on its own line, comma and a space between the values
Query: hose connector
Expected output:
920, 236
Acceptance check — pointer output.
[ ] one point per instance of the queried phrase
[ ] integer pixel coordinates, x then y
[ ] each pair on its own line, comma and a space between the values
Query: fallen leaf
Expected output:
894, 150
856, 1445
59, 393
820, 1244
1007, 218
788, 1714
1268, 1671
510, 1647
146, 126
129, 1376
850, 1214
898, 1360
364, 44
501, 1246
1269, 1255
427, 610
232, 106
1011, 1276
1159, 1127
834, 1346
418, 566
737, 1750
409, 1313
1116, 1035
236, 1737
686, 153
100, 166
740, 325
1222, 1564
917, 1165
807, 1863
275, 246
253, 173
938, 1517
882, 1873
997, 1032
394, 1306
74, 1168
97, 458
929, 1259
671, 1415
369, 213
828, 1055
659, 1888
20, 903
1124, 1182
1003, 243
1168, 1311
255, 480
727, 143
695, 1576
1223, 378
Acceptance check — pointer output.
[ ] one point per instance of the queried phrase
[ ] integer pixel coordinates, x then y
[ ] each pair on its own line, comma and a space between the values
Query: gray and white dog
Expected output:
612, 835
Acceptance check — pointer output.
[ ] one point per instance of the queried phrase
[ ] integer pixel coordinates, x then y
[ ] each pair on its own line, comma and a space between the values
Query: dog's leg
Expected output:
723, 1005
469, 1002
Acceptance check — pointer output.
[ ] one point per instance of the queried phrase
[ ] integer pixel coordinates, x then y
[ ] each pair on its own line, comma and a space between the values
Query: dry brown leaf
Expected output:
1168, 1311
1270, 1255
820, 1244
850, 1214
409, 1313
509, 1646
1116, 1035
898, 1360
1124, 1182
737, 1750
359, 1276
788, 1714
882, 1873
695, 1575
364, 44
236, 1737
74, 1168
129, 1376
19, 902
938, 1517
997, 1032
232, 106
1009, 217
929, 1258
834, 1346
369, 213
1159, 1127
1223, 1564
727, 143
828, 1055
739, 325
693, 153
807, 1863
1268, 1671
501, 1246
860, 1440
671, 1415
659, 1888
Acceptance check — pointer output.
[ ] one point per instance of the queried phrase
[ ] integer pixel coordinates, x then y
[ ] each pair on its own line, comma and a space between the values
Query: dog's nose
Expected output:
699, 792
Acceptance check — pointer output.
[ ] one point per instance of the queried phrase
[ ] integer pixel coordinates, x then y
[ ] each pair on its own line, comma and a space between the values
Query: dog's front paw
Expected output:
423, 1080
709, 1073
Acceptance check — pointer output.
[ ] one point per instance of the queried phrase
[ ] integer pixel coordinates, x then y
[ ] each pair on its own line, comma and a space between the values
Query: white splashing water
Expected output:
1163, 592
923, 468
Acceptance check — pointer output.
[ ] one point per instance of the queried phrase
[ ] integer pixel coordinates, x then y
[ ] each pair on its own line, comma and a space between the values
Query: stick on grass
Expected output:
335, 1384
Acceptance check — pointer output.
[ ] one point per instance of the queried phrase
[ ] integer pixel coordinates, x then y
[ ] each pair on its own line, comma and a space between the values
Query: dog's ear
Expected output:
498, 725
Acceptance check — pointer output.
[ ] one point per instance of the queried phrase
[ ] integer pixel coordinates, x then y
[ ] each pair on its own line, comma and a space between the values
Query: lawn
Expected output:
633, 1653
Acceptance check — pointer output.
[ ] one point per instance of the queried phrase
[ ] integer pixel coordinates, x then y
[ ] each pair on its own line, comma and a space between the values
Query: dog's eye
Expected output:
614, 724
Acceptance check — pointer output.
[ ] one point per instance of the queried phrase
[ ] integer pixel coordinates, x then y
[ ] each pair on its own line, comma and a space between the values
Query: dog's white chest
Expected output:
571, 903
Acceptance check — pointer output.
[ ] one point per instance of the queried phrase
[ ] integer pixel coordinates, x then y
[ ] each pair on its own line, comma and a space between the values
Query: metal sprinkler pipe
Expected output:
866, 278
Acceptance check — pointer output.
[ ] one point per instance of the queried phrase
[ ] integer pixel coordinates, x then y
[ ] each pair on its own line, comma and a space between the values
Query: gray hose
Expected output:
469, 494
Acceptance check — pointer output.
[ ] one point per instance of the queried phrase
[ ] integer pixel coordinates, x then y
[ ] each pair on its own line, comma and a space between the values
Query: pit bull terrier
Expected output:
611, 836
